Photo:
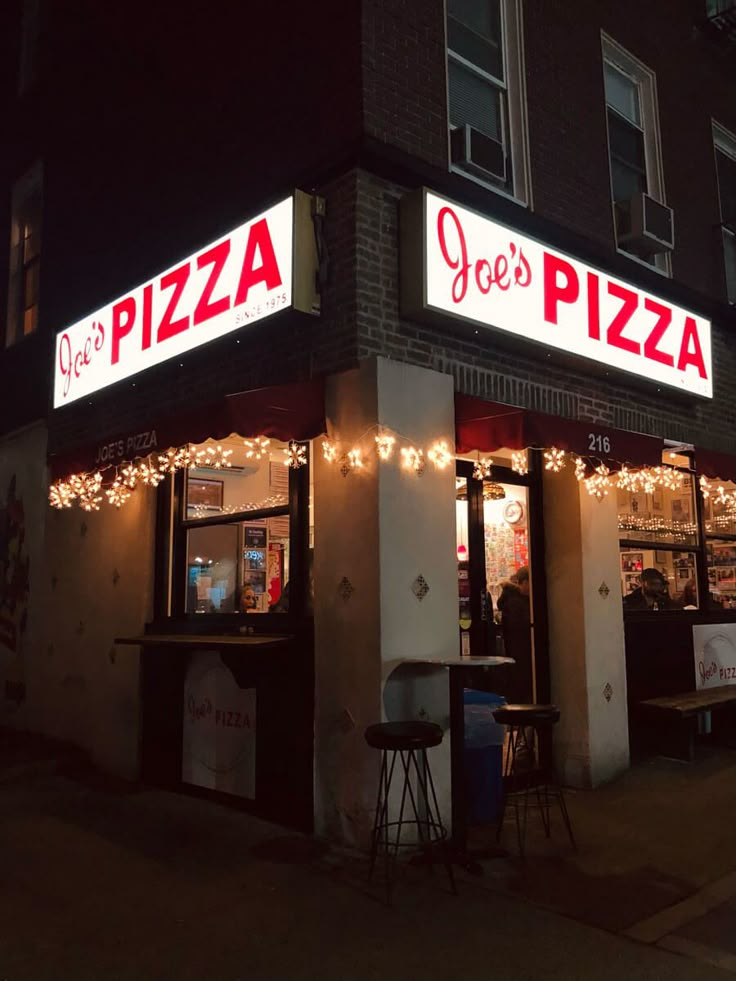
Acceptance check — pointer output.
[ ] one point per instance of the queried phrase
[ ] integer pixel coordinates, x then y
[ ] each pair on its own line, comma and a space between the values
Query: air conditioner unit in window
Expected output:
644, 226
478, 153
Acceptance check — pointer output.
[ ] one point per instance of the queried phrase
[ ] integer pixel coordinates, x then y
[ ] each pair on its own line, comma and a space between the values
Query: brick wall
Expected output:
490, 369
403, 76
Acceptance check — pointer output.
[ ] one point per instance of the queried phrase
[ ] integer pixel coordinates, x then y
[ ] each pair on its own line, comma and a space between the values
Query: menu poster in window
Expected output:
275, 571
255, 537
219, 728
521, 547
714, 649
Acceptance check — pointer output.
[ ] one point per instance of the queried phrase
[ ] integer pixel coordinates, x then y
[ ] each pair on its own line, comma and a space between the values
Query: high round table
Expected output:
458, 668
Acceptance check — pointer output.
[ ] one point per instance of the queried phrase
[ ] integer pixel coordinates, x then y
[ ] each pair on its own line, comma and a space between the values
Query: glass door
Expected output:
499, 588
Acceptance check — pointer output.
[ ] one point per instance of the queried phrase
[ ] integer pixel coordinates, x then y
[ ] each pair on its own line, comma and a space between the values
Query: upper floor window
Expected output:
25, 255
30, 27
643, 225
485, 88
725, 150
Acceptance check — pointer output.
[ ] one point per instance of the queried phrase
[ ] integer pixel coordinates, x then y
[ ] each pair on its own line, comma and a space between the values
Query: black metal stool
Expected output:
521, 777
410, 742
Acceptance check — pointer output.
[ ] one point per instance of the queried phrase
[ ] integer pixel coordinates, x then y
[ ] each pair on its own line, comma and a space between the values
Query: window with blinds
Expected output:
24, 284
725, 151
487, 128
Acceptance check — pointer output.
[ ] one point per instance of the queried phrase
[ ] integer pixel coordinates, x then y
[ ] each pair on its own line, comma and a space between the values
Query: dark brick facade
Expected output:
177, 132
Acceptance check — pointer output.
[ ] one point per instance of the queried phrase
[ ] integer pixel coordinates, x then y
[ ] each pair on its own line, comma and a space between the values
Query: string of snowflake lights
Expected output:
117, 482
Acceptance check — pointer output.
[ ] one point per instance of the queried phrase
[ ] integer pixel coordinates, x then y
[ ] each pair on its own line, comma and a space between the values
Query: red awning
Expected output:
488, 426
715, 465
282, 412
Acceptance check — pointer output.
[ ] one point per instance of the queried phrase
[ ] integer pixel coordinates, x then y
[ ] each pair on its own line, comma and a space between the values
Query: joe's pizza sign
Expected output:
242, 278
457, 262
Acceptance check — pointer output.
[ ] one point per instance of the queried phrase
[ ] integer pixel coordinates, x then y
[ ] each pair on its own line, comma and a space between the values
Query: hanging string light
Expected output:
256, 448
520, 462
355, 461
329, 451
412, 459
440, 455
211, 458
599, 484
90, 497
554, 459
385, 446
295, 455
117, 494
482, 468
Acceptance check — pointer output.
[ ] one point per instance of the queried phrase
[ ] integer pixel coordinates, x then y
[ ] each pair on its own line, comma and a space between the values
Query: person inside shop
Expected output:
688, 599
513, 604
651, 594
248, 600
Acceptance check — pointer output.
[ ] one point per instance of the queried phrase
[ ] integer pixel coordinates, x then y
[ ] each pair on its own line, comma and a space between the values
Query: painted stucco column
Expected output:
586, 631
377, 530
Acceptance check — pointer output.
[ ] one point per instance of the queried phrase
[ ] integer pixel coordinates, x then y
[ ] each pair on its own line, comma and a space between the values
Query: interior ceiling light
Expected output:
493, 491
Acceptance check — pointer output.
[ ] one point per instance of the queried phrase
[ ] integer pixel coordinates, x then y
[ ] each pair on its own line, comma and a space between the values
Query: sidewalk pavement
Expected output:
101, 879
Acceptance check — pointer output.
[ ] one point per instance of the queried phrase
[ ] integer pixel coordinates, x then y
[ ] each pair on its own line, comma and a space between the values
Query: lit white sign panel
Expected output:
491, 275
237, 280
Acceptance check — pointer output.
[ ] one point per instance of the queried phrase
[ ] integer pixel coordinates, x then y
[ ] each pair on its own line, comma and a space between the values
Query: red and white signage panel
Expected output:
219, 736
493, 276
714, 648
237, 280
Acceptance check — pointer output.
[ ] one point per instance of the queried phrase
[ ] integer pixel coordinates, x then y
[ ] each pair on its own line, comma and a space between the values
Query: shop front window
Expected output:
235, 533
659, 542
719, 514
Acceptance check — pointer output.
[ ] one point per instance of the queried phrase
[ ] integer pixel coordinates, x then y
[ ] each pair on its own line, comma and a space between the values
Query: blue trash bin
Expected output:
483, 756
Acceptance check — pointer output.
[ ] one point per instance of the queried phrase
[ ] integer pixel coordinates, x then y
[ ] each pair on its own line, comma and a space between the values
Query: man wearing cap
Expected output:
651, 594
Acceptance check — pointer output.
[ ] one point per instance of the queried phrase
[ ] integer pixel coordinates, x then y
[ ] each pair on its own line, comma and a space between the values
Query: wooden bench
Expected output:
677, 715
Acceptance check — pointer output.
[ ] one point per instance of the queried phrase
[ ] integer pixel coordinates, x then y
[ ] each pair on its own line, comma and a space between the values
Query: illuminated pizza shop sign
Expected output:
457, 262
263, 266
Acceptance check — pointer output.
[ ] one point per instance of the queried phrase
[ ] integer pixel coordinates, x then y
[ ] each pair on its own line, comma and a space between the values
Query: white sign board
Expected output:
237, 280
714, 647
219, 737
477, 270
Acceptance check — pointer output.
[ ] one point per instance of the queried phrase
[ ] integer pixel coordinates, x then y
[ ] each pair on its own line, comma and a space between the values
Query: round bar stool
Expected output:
409, 742
521, 777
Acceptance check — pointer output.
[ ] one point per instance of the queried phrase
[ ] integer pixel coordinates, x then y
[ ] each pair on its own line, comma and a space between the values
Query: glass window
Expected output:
237, 526
25, 256
719, 515
658, 544
485, 88
633, 140
725, 150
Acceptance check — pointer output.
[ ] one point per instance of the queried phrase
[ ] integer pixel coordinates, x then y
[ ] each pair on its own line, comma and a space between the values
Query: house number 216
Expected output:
600, 443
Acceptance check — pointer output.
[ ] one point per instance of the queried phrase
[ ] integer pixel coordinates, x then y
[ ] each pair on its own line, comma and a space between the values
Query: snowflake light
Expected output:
329, 451
554, 459
412, 459
482, 468
385, 446
520, 462
295, 455
440, 455
256, 448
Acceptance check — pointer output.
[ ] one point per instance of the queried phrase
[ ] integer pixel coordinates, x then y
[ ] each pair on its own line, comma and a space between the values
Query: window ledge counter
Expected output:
230, 717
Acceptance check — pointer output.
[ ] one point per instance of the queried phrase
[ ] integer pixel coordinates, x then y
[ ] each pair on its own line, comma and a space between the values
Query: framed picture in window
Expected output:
631, 582
204, 493
681, 509
726, 574
658, 501
660, 558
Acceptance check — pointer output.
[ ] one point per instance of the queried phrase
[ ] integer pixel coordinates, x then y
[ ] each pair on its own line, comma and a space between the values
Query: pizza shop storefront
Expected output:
291, 547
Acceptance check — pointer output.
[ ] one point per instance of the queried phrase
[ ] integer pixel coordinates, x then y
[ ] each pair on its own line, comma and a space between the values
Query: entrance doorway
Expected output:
500, 559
